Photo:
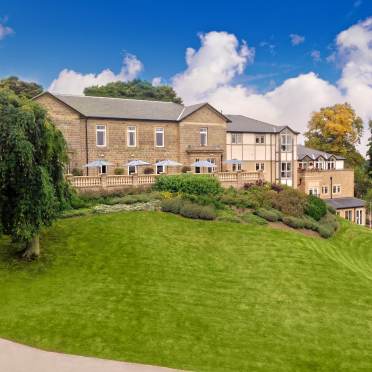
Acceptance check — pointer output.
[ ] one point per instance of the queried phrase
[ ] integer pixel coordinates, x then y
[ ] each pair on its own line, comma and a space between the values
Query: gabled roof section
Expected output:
241, 123
303, 151
122, 108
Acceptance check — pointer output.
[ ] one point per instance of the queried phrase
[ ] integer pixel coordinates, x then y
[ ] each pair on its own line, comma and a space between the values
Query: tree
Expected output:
21, 88
369, 152
32, 158
336, 129
136, 89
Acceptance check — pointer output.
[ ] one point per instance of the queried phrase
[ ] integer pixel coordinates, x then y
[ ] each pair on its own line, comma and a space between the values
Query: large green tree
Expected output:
21, 88
369, 152
136, 89
32, 158
336, 129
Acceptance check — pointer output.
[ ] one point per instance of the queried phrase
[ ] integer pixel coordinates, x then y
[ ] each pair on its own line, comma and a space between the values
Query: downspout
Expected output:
86, 144
331, 187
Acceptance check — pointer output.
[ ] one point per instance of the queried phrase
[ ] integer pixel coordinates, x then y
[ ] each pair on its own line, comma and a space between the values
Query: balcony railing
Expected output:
227, 179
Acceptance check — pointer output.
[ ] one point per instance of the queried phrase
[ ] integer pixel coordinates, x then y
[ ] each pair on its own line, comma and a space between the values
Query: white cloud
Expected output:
331, 58
296, 39
211, 71
219, 59
156, 81
4, 29
315, 55
72, 82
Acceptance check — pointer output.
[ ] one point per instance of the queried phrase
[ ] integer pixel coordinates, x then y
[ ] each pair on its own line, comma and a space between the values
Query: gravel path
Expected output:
20, 358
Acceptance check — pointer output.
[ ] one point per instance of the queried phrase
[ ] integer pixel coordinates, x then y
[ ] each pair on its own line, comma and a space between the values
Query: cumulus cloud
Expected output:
156, 81
296, 39
72, 82
219, 59
211, 71
4, 29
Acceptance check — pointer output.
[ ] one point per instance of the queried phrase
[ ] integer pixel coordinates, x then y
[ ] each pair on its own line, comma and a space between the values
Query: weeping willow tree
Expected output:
32, 158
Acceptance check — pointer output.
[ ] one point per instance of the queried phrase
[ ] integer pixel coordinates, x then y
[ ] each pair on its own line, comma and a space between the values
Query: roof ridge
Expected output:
117, 98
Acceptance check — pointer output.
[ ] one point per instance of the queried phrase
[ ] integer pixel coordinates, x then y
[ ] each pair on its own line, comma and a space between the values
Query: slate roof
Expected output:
241, 123
343, 203
122, 108
303, 151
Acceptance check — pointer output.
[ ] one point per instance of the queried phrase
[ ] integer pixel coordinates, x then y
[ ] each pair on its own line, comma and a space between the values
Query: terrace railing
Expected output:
236, 179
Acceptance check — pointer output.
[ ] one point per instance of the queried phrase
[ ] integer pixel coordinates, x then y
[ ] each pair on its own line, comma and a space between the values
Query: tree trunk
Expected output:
33, 248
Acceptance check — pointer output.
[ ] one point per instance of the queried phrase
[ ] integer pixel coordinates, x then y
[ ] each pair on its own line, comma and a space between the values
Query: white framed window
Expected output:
132, 169
359, 216
236, 138
313, 191
260, 139
324, 189
101, 135
286, 169
213, 161
260, 166
159, 137
132, 137
203, 136
336, 189
103, 169
349, 215
237, 167
286, 142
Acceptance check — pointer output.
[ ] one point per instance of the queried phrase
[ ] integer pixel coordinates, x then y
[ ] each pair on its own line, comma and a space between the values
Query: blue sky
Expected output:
90, 36
277, 61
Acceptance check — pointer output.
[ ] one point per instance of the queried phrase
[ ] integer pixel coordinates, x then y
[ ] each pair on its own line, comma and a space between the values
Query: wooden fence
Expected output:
227, 179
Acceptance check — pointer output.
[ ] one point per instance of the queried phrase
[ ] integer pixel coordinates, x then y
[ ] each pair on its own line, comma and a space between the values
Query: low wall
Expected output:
104, 182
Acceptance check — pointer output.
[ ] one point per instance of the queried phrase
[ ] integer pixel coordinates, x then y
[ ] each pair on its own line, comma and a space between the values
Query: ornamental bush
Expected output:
253, 219
119, 171
267, 214
315, 207
290, 201
325, 231
188, 184
192, 210
296, 223
171, 205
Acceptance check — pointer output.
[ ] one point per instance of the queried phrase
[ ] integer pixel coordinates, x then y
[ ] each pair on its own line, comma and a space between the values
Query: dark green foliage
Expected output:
196, 211
188, 184
253, 219
315, 207
290, 201
21, 88
295, 222
269, 215
173, 205
330, 209
32, 158
135, 89
118, 171
204, 200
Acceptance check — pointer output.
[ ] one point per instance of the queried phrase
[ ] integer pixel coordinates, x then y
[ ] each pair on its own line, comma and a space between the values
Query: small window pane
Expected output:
159, 137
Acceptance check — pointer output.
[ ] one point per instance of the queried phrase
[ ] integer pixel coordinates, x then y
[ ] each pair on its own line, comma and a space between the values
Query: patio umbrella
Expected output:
233, 161
204, 164
136, 163
167, 163
97, 163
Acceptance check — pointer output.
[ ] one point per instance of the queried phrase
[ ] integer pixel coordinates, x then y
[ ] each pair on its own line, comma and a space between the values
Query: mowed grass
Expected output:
159, 289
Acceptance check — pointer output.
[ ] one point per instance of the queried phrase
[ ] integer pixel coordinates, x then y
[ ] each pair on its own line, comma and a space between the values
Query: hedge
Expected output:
269, 215
192, 210
296, 223
188, 184
315, 207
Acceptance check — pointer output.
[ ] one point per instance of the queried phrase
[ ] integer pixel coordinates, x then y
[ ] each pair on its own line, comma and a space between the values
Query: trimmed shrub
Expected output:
185, 169
325, 231
310, 224
330, 221
315, 207
77, 172
267, 214
148, 170
171, 205
290, 201
192, 210
260, 197
119, 171
188, 184
296, 223
331, 209
253, 219
204, 200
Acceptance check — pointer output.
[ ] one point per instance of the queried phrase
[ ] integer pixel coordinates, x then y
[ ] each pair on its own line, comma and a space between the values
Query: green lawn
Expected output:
156, 288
